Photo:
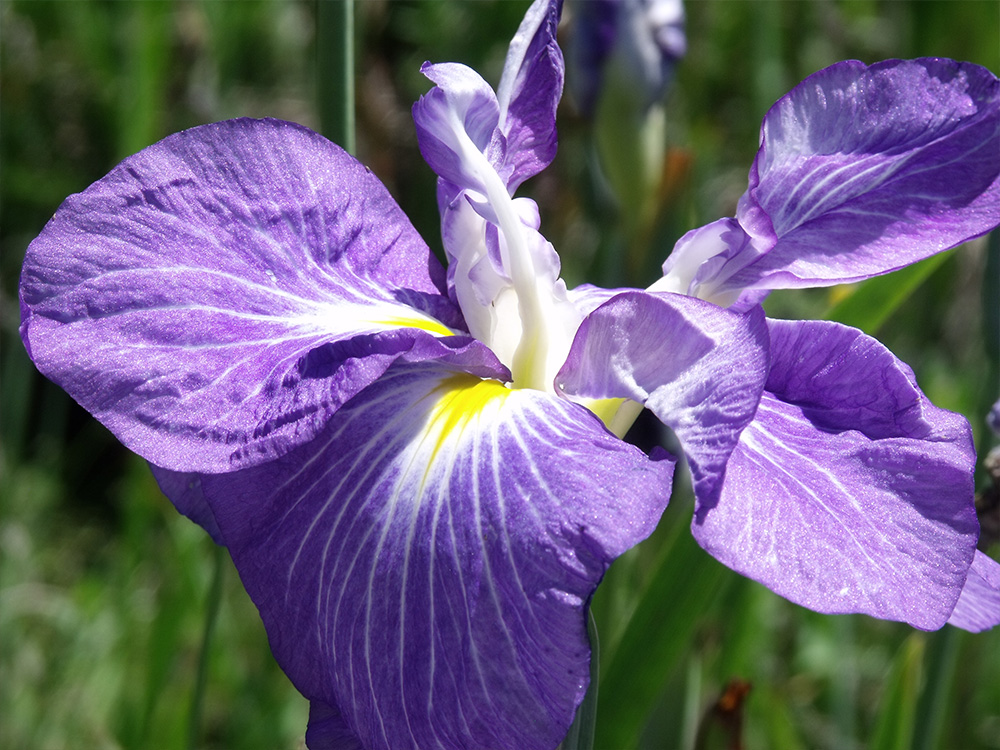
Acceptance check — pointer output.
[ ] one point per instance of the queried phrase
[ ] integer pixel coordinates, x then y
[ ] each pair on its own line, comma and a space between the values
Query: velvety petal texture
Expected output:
861, 170
218, 295
698, 368
529, 92
866, 169
327, 729
424, 565
849, 491
978, 607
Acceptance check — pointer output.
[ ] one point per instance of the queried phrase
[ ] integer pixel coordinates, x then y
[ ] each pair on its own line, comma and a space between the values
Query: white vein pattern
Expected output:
848, 194
869, 189
431, 568
194, 293
821, 502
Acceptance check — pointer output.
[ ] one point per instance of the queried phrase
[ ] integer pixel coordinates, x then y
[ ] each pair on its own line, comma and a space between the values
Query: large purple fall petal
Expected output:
863, 170
327, 729
700, 369
218, 295
183, 489
978, 607
425, 564
850, 491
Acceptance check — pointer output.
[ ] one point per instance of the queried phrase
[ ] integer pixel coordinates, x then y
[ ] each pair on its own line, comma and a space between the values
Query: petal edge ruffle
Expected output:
849, 491
183, 298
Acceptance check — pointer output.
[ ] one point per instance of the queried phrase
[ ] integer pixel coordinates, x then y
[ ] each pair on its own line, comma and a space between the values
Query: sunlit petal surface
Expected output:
978, 607
699, 368
529, 93
218, 295
849, 492
456, 125
425, 564
503, 273
863, 170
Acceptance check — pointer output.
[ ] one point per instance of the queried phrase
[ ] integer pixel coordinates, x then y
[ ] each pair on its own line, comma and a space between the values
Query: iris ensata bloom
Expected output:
622, 57
420, 473
634, 43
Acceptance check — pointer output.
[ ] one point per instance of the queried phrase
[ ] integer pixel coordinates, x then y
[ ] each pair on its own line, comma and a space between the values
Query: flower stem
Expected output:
201, 679
335, 70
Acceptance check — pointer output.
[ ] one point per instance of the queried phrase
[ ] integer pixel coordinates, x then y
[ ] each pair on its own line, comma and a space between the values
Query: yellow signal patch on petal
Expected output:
424, 324
618, 414
461, 399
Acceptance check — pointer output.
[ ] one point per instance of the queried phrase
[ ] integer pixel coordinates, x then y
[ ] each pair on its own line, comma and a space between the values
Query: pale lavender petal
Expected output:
704, 258
850, 491
529, 93
700, 369
588, 297
218, 295
863, 170
424, 566
480, 275
456, 124
978, 606
462, 118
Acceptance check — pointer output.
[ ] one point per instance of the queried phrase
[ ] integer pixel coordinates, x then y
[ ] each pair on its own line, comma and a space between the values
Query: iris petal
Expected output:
504, 274
456, 124
699, 368
863, 170
850, 491
218, 295
424, 565
978, 607
529, 93
327, 729
183, 489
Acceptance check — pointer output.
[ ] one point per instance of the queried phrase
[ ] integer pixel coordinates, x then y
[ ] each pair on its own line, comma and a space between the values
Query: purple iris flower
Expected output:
419, 472
636, 42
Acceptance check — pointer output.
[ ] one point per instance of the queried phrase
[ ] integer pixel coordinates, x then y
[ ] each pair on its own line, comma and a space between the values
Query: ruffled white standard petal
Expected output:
504, 274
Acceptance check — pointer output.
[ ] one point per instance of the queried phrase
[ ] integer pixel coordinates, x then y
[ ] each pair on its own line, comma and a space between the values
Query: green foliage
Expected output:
104, 587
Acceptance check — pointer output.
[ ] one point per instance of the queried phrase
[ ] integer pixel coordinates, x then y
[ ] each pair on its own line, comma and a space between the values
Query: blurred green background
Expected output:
104, 587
